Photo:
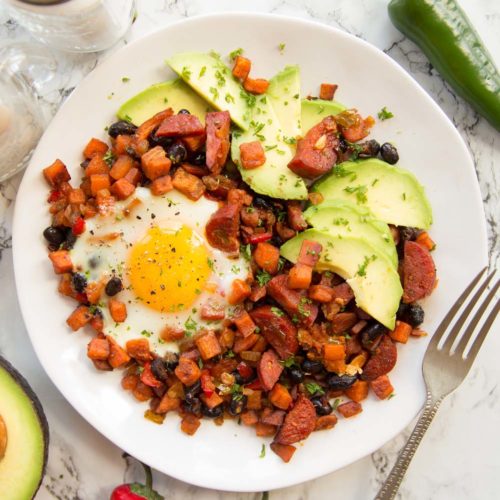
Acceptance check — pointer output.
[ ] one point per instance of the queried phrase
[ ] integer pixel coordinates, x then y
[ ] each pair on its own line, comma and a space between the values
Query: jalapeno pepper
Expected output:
446, 36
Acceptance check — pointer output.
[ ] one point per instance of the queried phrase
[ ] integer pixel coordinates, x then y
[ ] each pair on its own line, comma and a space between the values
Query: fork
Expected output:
444, 369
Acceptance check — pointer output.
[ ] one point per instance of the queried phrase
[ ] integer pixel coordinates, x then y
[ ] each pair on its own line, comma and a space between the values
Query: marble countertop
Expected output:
459, 456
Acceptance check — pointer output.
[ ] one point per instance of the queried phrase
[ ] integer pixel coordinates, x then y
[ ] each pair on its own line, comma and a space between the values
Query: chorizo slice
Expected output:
223, 227
180, 126
342, 294
317, 151
277, 329
419, 272
299, 422
218, 124
382, 361
269, 370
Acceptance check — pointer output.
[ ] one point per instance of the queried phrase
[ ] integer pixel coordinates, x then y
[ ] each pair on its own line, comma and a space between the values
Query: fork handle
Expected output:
392, 483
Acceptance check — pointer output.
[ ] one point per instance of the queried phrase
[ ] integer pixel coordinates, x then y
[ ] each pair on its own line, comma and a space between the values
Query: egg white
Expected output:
102, 250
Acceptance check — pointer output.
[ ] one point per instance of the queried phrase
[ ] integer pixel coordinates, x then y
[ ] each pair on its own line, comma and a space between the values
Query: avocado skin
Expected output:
42, 419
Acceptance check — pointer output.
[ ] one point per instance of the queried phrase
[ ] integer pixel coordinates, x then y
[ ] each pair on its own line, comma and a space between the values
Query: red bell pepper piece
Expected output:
148, 378
78, 226
259, 238
207, 385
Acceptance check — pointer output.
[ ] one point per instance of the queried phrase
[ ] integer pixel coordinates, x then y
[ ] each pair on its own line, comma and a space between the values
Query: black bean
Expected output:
113, 286
310, 366
321, 405
340, 382
212, 412
159, 369
69, 240
237, 404
412, 314
371, 335
183, 112
164, 142
199, 159
85, 163
79, 282
369, 149
171, 360
193, 405
296, 374
260, 202
193, 390
94, 261
276, 241
389, 153
242, 380
177, 153
408, 233
54, 235
121, 127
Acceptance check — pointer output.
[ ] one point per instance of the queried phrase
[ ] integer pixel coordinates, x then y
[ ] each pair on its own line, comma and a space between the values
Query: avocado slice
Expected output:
25, 432
213, 80
274, 178
284, 92
173, 93
313, 111
393, 194
342, 218
371, 275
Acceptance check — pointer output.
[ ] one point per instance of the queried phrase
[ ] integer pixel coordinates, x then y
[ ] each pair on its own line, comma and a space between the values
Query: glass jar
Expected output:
74, 25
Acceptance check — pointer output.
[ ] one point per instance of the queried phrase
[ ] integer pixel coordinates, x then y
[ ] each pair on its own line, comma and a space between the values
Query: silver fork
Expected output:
444, 369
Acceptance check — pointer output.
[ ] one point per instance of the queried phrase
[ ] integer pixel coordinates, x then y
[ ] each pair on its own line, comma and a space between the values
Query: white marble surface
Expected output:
459, 457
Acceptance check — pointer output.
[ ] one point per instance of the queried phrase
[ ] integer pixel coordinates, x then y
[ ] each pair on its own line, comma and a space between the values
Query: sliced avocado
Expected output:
284, 92
274, 178
173, 93
393, 194
342, 218
372, 277
312, 112
213, 80
25, 432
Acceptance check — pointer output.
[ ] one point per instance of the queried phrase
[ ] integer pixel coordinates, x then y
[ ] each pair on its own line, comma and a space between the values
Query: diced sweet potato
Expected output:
284, 451
139, 350
167, 404
56, 173
188, 184
98, 182
325, 422
121, 167
245, 343
249, 417
190, 424
79, 318
299, 277
121, 144
226, 338
117, 355
94, 146
76, 197
327, 91
358, 391
382, 387
265, 430
212, 400
171, 334
97, 323
130, 381
252, 155
134, 176
98, 349
320, 293
280, 397
61, 261
240, 290
142, 392
255, 86
97, 165
241, 68
122, 189
244, 323
401, 332
349, 409
213, 310
334, 352
94, 291
187, 371
254, 400
118, 310
267, 256
208, 345
155, 163
161, 185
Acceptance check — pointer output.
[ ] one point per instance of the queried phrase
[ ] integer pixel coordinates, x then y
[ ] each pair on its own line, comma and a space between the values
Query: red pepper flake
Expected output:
207, 384
259, 238
78, 226
54, 195
148, 378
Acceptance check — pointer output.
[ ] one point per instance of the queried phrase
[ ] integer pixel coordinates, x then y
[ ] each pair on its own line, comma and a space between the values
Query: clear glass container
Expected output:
74, 25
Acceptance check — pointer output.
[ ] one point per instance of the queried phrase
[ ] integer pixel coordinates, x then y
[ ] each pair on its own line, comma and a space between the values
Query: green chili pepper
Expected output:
446, 36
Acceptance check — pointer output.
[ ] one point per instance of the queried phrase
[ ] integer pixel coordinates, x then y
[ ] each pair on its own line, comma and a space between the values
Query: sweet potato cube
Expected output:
190, 424
139, 349
167, 404
118, 310
94, 146
358, 391
240, 290
327, 91
121, 167
98, 349
118, 356
76, 197
79, 318
255, 86
211, 401
401, 332
382, 387
252, 155
254, 400
299, 277
334, 352
208, 345
61, 261
94, 291
187, 371
284, 451
188, 184
320, 293
134, 176
99, 182
122, 143
349, 409
155, 163
244, 323
267, 256
280, 397
56, 173
97, 165
161, 185
249, 417
122, 189
241, 68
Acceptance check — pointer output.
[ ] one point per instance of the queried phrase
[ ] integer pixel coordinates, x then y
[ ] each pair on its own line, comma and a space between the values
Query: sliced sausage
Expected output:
310, 252
295, 302
343, 322
316, 152
179, 126
299, 422
342, 294
382, 361
218, 123
213, 310
269, 370
271, 417
223, 227
277, 329
419, 272
218, 185
295, 216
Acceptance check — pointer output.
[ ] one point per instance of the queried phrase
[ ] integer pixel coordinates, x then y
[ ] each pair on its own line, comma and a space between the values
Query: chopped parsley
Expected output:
263, 278
403, 196
249, 98
230, 354
235, 269
277, 312
391, 395
146, 333
384, 114
362, 267
262, 451
221, 79
360, 192
210, 263
203, 70
341, 171
186, 73
200, 363
281, 47
109, 157
289, 140
235, 53
246, 251
190, 325
214, 92
335, 404
281, 263
125, 79
314, 388
304, 312
229, 98
340, 221
269, 148
289, 362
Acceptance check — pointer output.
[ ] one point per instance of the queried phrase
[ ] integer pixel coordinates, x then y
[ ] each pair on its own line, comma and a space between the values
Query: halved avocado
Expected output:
24, 436
174, 94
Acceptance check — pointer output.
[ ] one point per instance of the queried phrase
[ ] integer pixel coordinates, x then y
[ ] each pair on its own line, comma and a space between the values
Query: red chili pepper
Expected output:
259, 238
78, 226
137, 491
54, 196
244, 370
207, 384
255, 385
148, 378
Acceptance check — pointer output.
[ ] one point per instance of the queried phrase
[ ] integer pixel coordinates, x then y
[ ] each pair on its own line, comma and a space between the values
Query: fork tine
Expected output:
473, 324
451, 313
478, 341
457, 327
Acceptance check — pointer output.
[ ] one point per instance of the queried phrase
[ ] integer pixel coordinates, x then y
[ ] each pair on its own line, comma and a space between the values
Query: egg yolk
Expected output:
168, 268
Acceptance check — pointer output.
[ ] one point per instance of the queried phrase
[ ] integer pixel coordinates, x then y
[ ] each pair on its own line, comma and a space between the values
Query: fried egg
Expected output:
156, 245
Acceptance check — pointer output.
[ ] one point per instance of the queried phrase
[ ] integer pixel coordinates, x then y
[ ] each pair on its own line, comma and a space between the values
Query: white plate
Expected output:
227, 457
